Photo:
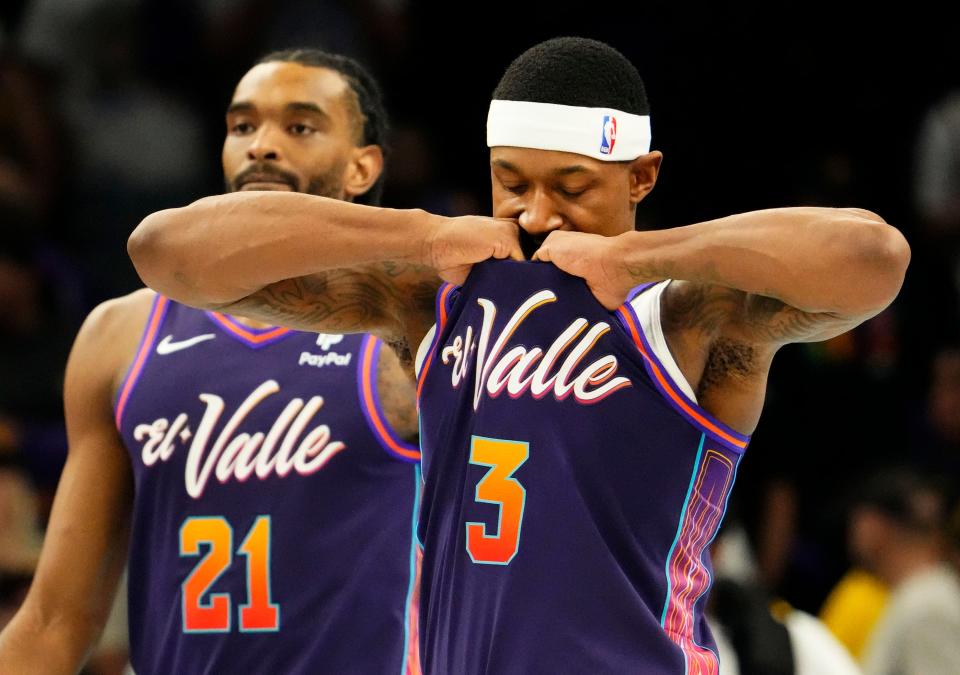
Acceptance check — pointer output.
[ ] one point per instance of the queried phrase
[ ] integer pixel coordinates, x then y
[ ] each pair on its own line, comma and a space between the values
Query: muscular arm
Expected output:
777, 276
311, 262
751, 283
86, 542
744, 286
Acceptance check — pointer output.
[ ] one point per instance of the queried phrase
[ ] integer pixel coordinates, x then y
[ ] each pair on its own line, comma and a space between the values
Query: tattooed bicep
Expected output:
768, 320
717, 312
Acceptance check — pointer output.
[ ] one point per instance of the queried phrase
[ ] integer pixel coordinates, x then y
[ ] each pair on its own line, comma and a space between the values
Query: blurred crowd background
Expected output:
112, 109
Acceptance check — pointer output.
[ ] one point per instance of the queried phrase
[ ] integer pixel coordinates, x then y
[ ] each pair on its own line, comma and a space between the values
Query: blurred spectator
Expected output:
20, 536
934, 279
938, 442
953, 536
135, 147
415, 182
760, 636
30, 157
896, 532
853, 608
937, 190
19, 533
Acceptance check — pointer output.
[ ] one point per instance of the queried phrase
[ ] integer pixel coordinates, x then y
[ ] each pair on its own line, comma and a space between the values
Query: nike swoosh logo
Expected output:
168, 346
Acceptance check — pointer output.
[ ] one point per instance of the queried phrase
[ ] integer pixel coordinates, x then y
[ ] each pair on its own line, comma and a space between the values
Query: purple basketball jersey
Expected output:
273, 525
571, 488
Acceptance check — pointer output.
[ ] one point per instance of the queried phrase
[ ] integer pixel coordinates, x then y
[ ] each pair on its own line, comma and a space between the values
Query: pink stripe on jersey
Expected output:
413, 622
688, 576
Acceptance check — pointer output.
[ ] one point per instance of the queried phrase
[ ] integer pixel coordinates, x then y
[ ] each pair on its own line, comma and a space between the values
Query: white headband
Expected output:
602, 133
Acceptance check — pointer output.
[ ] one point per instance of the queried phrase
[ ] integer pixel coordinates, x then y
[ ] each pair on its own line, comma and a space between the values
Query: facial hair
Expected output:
327, 184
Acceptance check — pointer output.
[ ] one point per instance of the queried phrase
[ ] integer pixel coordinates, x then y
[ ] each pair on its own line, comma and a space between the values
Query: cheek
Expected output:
232, 155
320, 156
597, 215
505, 204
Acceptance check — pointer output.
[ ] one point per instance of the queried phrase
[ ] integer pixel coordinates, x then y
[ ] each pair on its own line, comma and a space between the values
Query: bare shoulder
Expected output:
397, 390
106, 343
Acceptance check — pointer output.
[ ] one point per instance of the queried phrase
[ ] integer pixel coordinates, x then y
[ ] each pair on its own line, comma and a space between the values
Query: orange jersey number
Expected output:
213, 615
498, 487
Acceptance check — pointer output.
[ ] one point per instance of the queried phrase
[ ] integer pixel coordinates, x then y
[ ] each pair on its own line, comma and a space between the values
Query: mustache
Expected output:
530, 243
264, 171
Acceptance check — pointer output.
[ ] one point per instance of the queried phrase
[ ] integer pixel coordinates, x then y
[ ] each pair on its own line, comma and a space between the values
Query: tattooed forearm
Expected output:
341, 301
312, 303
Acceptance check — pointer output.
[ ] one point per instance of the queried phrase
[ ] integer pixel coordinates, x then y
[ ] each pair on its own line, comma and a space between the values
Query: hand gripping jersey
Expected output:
572, 486
273, 525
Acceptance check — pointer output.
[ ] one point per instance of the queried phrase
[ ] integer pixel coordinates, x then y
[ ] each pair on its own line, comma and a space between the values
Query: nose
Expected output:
265, 146
539, 215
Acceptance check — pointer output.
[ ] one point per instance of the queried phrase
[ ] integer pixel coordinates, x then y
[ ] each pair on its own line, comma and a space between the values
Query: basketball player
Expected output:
578, 455
268, 494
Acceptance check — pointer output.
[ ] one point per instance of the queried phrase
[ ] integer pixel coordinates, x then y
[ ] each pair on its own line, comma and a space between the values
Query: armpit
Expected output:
726, 361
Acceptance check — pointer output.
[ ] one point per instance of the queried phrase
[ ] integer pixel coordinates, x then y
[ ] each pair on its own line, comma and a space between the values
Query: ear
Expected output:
364, 169
643, 175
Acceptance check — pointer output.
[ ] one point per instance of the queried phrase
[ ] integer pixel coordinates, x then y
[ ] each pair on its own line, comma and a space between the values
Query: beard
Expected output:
327, 184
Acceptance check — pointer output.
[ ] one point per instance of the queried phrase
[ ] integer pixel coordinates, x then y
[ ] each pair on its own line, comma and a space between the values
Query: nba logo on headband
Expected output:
568, 128
609, 137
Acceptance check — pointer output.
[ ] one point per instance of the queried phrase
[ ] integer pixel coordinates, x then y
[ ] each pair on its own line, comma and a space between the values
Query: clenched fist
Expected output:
598, 260
455, 244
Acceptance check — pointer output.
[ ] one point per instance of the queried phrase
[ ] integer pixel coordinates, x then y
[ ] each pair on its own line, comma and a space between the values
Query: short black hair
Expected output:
913, 500
575, 71
376, 124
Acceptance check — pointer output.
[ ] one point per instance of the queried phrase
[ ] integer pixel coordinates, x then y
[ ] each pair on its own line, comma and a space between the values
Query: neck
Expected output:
250, 323
903, 562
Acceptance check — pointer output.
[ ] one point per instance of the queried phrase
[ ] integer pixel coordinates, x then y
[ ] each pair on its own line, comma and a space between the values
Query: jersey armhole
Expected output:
393, 444
428, 346
646, 306
424, 349
158, 312
640, 316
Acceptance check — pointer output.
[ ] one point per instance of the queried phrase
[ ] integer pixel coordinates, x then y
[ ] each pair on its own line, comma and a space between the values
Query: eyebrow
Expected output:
567, 170
240, 106
300, 106
504, 164
563, 171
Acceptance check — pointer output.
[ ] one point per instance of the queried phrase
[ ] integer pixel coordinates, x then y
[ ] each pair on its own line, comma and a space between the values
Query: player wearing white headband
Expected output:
570, 162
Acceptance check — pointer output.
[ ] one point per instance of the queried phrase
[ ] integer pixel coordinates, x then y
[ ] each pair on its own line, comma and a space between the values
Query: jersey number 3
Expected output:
213, 615
498, 487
